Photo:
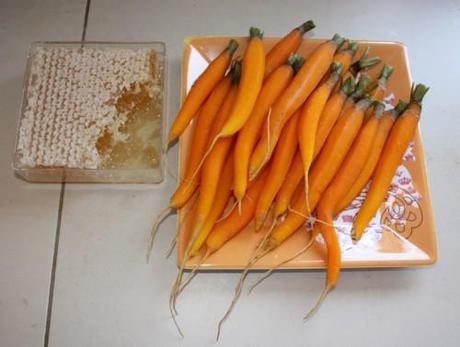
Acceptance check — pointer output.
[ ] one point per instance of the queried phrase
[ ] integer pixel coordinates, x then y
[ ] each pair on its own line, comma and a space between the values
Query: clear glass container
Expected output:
92, 112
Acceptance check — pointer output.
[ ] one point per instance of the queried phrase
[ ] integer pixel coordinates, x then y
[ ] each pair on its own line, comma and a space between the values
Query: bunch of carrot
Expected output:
282, 137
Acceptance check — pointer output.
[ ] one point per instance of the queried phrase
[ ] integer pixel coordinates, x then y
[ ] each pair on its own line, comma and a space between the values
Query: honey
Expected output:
91, 108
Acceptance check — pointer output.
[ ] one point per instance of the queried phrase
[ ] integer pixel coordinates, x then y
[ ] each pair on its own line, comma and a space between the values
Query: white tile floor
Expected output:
105, 294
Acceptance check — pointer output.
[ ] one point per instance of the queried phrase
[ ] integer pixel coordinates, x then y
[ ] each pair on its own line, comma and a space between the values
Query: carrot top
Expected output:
307, 26
417, 93
339, 40
296, 61
255, 32
232, 46
400, 107
365, 62
386, 72
353, 46
361, 87
348, 86
336, 69
235, 71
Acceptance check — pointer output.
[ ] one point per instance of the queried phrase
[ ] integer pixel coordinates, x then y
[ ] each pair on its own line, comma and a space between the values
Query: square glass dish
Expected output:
92, 112
401, 234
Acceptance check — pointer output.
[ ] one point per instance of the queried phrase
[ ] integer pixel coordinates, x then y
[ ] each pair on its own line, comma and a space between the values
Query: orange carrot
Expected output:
400, 136
200, 139
223, 194
289, 186
379, 89
303, 84
200, 90
235, 222
385, 124
308, 121
333, 257
213, 165
212, 169
252, 75
282, 158
331, 113
273, 86
344, 57
285, 47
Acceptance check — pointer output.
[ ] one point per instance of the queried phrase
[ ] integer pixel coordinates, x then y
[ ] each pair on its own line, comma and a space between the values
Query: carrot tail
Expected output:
161, 216
268, 273
193, 273
172, 245
260, 252
176, 289
172, 299
321, 299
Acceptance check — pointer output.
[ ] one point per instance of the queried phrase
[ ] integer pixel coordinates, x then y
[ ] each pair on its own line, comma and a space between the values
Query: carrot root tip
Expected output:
172, 245
268, 273
321, 299
155, 227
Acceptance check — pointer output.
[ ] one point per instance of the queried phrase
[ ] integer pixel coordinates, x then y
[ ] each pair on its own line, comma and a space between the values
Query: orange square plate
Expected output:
409, 238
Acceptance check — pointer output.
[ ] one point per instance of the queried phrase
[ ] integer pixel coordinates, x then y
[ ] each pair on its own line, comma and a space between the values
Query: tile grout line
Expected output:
85, 21
53, 267
57, 236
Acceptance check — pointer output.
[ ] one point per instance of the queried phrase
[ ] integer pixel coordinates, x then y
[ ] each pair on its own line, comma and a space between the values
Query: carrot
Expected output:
200, 139
210, 177
323, 170
212, 169
333, 258
201, 135
200, 90
213, 165
285, 47
346, 175
225, 110
303, 84
273, 86
282, 158
331, 113
235, 222
344, 57
379, 88
385, 124
308, 121
289, 186
252, 75
399, 138
223, 194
